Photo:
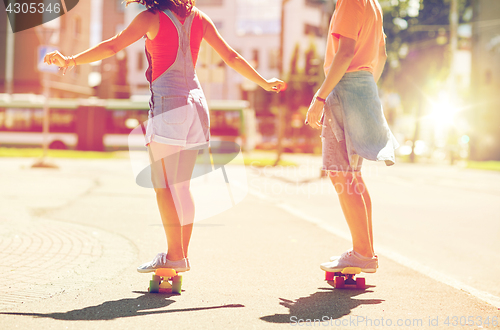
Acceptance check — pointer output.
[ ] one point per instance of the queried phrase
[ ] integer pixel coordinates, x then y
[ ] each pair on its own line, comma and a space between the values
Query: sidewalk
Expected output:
73, 238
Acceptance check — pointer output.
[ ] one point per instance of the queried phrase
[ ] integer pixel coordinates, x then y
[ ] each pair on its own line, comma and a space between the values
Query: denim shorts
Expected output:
354, 126
335, 156
175, 120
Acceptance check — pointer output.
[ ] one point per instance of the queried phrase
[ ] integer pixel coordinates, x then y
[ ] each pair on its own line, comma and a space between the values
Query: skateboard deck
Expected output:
165, 280
346, 278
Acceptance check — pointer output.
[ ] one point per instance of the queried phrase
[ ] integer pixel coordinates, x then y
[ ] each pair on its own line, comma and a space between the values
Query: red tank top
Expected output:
164, 47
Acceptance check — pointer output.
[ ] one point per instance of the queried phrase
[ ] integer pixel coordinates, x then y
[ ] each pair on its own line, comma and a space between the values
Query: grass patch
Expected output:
75, 154
247, 161
489, 165
263, 162
38, 152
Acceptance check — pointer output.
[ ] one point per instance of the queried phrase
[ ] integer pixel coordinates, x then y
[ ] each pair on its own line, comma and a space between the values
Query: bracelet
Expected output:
67, 64
72, 58
320, 99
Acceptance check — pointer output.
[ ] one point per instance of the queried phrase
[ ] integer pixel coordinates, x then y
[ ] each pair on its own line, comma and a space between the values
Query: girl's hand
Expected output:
58, 59
274, 85
55, 58
314, 114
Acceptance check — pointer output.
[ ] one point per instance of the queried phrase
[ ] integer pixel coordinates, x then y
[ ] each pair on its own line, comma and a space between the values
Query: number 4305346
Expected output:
33, 8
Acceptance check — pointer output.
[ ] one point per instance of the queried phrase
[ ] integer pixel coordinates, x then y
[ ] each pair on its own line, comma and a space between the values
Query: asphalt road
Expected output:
441, 220
71, 239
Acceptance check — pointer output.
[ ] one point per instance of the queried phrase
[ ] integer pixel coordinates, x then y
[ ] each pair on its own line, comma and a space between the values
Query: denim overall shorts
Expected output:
178, 112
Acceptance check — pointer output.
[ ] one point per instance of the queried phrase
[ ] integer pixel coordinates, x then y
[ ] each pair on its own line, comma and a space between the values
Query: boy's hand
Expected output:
314, 113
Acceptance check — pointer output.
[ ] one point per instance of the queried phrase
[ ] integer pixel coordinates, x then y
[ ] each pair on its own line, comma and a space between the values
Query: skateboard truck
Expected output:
346, 277
165, 280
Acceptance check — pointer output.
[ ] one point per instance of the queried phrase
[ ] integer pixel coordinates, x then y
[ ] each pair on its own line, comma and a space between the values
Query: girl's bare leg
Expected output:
170, 166
187, 161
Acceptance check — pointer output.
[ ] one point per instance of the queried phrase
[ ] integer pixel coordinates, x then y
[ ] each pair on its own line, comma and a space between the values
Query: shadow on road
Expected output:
332, 304
110, 310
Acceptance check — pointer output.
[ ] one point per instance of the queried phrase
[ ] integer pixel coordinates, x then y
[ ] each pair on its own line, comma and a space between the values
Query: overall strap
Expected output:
184, 30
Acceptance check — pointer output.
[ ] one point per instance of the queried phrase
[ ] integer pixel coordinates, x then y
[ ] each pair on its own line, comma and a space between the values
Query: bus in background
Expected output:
233, 121
230, 121
21, 121
93, 124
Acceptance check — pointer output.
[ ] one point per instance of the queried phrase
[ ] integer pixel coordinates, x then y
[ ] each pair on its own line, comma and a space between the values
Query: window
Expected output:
488, 77
312, 30
225, 123
78, 26
31, 120
315, 2
209, 2
258, 17
274, 58
255, 58
140, 61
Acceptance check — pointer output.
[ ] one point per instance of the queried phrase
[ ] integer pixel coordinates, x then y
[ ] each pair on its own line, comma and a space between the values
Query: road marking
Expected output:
402, 260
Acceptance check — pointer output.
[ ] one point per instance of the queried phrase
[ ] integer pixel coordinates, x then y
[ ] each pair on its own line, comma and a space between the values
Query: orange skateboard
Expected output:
165, 280
346, 278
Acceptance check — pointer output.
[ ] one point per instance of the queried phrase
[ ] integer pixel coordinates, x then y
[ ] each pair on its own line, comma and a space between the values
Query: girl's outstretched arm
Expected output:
138, 28
235, 60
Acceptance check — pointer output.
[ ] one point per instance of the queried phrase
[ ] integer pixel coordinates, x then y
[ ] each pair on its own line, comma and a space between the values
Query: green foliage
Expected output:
417, 45
303, 82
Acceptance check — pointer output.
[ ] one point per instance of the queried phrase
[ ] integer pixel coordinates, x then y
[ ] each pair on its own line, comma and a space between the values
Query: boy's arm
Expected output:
382, 58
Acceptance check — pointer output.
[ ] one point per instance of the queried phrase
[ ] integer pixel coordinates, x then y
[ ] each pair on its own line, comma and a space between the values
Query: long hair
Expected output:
182, 8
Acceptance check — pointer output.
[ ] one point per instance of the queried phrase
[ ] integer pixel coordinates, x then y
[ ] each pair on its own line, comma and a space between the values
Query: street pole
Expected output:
9, 58
453, 86
44, 37
42, 162
453, 43
46, 113
281, 115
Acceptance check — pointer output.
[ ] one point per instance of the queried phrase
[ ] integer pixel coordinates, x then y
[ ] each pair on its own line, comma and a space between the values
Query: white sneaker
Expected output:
161, 261
350, 259
334, 258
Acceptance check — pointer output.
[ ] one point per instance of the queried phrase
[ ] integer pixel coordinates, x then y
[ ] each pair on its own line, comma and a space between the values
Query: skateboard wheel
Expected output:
156, 278
338, 282
329, 276
360, 283
165, 285
154, 286
177, 284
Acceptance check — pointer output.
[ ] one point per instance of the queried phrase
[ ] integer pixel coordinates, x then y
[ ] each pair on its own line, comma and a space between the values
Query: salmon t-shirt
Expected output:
361, 20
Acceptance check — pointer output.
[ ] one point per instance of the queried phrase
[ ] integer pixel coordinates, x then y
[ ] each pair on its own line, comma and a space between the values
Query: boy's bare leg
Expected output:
368, 203
356, 211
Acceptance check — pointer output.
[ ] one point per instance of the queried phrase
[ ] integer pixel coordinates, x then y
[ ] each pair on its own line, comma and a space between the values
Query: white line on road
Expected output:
414, 265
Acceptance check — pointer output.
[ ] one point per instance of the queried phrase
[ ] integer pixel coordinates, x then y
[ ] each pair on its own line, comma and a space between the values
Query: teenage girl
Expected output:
178, 124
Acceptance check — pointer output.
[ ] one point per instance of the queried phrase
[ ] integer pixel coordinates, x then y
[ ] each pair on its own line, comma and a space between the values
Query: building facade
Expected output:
252, 28
84, 26
485, 116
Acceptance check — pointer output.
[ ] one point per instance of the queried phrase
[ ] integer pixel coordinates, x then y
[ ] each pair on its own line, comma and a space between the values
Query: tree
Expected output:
418, 50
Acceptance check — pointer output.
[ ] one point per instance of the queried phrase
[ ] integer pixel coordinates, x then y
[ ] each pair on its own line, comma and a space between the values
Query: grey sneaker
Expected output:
350, 259
161, 261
